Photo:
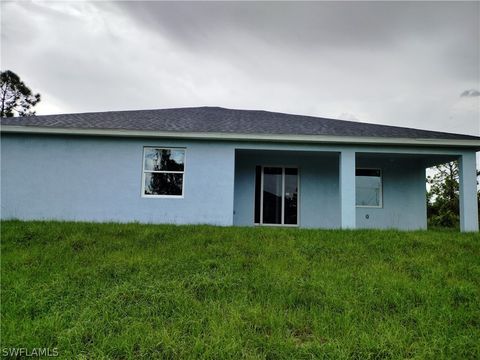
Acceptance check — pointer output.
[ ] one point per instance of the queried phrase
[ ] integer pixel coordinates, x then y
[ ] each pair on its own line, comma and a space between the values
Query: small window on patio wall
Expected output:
368, 187
163, 172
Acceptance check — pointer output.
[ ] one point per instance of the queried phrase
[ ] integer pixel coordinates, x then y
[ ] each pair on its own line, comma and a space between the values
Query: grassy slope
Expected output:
127, 291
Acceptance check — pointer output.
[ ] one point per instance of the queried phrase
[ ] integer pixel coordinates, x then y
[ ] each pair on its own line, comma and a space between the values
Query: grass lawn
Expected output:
160, 291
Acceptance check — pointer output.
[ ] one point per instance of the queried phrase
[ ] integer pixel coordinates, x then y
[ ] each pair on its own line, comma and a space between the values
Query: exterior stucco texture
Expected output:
100, 179
404, 203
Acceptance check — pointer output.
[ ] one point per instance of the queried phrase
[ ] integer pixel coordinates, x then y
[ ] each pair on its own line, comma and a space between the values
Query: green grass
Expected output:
147, 291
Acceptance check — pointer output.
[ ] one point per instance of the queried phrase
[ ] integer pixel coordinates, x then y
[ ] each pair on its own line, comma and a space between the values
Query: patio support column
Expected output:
347, 189
468, 192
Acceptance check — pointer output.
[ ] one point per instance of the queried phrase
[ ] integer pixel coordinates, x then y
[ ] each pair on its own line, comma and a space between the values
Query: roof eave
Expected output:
366, 140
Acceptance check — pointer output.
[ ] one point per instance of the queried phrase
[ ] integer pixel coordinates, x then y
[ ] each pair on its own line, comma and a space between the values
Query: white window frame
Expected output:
164, 172
283, 167
380, 206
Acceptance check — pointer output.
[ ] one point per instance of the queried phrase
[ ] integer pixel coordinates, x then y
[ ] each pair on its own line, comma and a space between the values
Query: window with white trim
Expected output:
368, 187
163, 172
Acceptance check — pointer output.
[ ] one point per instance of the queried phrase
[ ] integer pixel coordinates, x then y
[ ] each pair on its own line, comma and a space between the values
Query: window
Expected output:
368, 187
163, 172
276, 196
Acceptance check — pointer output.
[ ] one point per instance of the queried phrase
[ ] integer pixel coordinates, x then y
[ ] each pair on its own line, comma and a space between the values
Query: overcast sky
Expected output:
406, 64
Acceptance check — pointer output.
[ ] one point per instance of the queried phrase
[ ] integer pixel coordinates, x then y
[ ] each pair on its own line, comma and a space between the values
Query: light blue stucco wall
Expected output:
404, 203
319, 193
99, 179
404, 195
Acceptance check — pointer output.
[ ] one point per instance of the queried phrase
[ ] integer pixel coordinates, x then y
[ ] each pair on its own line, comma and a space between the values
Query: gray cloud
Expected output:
319, 27
470, 93
385, 62
316, 24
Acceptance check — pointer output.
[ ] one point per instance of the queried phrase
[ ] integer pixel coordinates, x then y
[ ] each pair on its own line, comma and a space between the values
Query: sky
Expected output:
409, 64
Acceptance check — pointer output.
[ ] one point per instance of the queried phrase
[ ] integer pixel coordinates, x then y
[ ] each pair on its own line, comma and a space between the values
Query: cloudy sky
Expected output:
407, 64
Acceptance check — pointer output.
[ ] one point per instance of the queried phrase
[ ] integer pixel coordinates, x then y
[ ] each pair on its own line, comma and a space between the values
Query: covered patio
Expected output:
349, 187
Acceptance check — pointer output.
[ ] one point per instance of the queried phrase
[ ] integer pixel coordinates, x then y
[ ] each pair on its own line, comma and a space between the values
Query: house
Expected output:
220, 166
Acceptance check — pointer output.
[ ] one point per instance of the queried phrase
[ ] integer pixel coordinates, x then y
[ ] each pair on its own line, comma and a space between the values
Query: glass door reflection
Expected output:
276, 196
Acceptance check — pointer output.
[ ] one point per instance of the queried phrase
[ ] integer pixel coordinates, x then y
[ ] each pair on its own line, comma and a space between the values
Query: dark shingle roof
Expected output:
221, 120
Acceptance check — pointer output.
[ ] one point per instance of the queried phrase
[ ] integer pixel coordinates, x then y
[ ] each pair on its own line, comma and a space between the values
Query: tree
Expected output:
443, 197
16, 98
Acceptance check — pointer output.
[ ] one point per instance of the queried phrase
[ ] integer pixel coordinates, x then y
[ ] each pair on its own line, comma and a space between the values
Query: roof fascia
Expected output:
244, 137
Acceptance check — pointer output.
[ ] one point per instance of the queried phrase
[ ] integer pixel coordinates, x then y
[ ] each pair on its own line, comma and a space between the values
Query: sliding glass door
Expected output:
290, 208
272, 195
276, 195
